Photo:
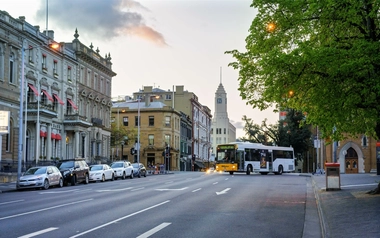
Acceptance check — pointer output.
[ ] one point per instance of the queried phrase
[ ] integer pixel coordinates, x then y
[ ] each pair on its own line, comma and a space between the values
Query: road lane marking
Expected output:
196, 190
2, 203
39, 232
44, 209
223, 192
171, 189
114, 190
66, 191
136, 189
119, 219
359, 185
154, 230
215, 183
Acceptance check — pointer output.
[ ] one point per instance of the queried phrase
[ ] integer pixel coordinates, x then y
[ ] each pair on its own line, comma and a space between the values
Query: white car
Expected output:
122, 169
41, 177
101, 172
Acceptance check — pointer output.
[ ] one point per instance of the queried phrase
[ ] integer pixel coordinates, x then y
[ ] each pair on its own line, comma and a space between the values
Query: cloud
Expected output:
104, 19
238, 125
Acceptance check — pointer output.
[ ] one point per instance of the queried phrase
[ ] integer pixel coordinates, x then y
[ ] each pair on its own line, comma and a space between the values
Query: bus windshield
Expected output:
225, 154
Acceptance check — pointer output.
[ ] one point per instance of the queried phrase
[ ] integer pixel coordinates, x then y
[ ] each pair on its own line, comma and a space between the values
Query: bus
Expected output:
254, 158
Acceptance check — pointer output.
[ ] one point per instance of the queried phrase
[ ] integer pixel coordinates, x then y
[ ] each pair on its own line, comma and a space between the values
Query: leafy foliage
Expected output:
119, 133
319, 57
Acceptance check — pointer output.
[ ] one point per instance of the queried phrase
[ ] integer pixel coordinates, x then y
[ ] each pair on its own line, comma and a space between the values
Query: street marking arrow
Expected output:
223, 192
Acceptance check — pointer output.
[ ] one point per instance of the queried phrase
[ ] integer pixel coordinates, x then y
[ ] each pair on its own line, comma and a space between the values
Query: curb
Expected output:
324, 226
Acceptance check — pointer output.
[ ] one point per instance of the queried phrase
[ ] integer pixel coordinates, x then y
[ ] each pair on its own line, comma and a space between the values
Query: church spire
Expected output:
220, 74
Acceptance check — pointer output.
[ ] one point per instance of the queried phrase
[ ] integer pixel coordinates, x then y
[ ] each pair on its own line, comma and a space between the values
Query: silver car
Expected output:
41, 177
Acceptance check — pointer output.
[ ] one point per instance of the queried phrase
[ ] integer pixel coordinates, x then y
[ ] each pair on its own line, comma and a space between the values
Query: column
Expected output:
48, 142
76, 144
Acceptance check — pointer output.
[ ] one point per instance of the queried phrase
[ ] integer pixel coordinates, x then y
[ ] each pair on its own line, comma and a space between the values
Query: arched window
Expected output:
364, 141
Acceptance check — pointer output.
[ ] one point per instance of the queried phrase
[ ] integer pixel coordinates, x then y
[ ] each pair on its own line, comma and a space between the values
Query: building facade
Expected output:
155, 125
195, 150
45, 75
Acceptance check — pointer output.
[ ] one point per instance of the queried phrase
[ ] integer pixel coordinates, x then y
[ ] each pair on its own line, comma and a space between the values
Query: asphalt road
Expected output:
187, 204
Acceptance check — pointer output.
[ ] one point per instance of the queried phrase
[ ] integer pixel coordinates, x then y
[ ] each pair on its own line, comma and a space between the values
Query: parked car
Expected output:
41, 177
122, 169
101, 172
139, 170
74, 171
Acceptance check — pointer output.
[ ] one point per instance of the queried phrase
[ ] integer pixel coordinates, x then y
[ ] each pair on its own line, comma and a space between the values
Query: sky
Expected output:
159, 43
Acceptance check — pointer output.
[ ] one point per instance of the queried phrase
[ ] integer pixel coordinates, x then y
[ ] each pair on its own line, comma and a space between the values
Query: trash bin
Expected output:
332, 176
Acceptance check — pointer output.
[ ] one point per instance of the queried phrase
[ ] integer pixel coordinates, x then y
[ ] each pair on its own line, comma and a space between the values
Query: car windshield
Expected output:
135, 165
35, 171
117, 165
96, 167
66, 165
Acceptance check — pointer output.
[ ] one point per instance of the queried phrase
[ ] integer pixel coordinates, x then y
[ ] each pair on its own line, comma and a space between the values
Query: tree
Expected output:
319, 57
264, 134
119, 133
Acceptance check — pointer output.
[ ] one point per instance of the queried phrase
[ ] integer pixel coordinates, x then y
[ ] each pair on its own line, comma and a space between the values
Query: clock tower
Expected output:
222, 130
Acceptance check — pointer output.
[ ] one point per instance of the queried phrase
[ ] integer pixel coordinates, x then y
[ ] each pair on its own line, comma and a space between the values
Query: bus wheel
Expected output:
249, 169
280, 170
231, 173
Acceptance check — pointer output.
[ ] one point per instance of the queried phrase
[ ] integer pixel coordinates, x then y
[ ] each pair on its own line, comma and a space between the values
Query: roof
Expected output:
135, 105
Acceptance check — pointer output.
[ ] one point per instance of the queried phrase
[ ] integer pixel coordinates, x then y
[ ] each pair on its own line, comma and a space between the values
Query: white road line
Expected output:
226, 179
171, 189
223, 192
359, 185
136, 189
154, 230
114, 190
119, 219
39, 232
66, 191
2, 203
196, 190
44, 209
215, 183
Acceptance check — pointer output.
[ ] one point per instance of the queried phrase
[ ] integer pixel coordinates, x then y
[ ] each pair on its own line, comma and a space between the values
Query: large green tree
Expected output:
319, 57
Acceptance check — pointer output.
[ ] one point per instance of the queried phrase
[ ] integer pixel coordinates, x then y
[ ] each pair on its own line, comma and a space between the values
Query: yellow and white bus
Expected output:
254, 157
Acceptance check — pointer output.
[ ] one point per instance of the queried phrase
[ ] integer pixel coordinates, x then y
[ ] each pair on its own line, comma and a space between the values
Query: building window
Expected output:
88, 78
168, 96
151, 120
137, 121
151, 139
96, 82
364, 141
11, 68
125, 121
167, 121
167, 139
31, 55
69, 74
1, 64
224, 130
81, 76
44, 67
101, 85
55, 72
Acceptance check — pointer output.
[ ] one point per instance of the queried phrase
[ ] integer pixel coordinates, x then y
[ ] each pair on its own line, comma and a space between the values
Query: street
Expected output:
182, 204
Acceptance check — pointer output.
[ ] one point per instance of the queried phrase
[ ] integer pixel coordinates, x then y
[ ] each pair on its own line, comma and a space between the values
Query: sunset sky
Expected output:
160, 43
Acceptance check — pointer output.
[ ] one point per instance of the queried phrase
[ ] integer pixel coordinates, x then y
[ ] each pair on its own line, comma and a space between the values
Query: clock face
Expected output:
219, 100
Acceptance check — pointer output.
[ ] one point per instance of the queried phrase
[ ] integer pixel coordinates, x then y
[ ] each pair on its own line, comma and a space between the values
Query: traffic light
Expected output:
133, 151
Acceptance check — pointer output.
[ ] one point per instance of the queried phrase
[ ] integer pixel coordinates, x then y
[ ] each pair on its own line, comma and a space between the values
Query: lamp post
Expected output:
122, 147
138, 131
20, 127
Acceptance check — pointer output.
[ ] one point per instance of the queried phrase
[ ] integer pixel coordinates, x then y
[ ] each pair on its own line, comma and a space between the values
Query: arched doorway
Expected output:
351, 161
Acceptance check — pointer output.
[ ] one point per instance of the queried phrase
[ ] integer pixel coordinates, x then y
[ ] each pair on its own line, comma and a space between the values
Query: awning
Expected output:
72, 104
34, 89
43, 134
58, 99
200, 164
47, 95
56, 136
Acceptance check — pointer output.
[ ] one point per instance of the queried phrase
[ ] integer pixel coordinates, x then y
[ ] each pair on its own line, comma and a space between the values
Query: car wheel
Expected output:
123, 175
103, 178
145, 174
60, 184
46, 184
87, 179
113, 177
131, 176
139, 175
73, 180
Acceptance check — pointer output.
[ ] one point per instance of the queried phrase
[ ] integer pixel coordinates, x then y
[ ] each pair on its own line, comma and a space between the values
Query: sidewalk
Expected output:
348, 212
